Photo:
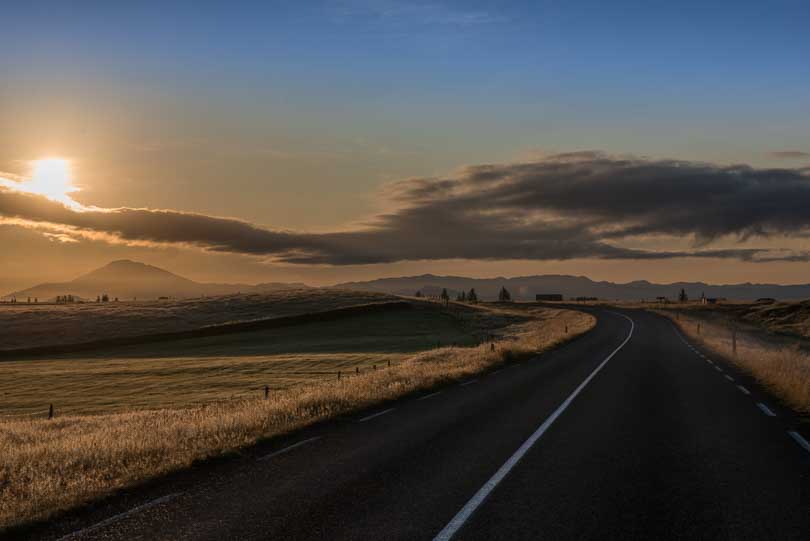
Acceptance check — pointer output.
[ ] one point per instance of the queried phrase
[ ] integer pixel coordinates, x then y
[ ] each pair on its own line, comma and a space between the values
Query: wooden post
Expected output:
492, 346
698, 328
374, 366
50, 412
389, 363
357, 370
566, 328
266, 392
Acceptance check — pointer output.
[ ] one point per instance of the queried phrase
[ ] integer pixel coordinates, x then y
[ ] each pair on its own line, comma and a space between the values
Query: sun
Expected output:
51, 177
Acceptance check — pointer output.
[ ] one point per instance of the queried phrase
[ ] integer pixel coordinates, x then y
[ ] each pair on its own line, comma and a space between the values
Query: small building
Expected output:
662, 299
548, 297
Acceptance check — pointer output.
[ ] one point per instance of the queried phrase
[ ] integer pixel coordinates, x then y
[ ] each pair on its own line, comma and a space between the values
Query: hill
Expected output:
526, 287
127, 279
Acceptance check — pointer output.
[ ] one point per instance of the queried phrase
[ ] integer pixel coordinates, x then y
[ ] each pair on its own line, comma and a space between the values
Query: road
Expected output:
624, 433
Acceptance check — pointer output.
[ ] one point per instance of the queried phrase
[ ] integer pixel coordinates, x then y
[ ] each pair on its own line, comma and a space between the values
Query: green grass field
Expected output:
201, 370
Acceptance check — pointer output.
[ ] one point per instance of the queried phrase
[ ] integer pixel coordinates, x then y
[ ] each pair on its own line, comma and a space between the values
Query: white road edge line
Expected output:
289, 448
765, 409
375, 415
469, 508
729, 378
120, 516
744, 390
718, 368
800, 440
468, 382
429, 395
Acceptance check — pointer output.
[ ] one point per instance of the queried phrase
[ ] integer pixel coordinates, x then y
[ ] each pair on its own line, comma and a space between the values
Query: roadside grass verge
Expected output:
784, 370
51, 466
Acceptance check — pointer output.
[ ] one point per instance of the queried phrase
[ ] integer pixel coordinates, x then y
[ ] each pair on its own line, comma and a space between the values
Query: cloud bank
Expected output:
576, 205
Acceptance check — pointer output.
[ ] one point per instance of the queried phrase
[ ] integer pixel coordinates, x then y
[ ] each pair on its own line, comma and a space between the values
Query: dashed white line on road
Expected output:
718, 368
800, 440
375, 415
729, 378
289, 448
478, 498
744, 390
120, 516
429, 395
765, 409
468, 382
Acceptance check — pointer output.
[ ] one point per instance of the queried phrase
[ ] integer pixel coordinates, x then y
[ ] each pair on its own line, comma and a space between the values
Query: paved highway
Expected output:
625, 433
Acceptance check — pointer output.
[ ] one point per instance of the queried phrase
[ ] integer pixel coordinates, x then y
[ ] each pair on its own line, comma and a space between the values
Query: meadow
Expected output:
24, 325
53, 465
183, 373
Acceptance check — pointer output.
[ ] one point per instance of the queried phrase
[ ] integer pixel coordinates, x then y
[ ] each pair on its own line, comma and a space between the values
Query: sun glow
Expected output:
51, 177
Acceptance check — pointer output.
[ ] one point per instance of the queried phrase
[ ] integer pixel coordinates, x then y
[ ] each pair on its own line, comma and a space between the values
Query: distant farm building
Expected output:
585, 299
548, 297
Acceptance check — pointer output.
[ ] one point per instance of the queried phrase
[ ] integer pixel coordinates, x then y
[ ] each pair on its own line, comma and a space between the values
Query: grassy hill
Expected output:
25, 325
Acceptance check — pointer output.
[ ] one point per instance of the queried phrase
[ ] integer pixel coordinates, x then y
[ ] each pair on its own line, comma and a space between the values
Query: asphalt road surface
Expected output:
625, 433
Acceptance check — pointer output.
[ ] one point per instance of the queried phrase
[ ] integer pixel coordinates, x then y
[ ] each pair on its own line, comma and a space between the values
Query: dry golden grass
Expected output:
784, 370
183, 373
48, 466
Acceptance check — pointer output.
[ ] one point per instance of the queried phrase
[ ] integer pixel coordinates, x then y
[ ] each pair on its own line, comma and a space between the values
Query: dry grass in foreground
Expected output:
784, 370
48, 466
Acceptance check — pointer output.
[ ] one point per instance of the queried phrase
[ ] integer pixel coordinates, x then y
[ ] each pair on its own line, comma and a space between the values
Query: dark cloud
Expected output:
576, 205
789, 154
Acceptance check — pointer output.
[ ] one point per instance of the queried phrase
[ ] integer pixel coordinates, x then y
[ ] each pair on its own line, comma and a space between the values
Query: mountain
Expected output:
127, 279
526, 287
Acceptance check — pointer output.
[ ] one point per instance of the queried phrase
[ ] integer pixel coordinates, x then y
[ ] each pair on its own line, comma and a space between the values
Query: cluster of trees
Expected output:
103, 298
13, 300
65, 299
471, 296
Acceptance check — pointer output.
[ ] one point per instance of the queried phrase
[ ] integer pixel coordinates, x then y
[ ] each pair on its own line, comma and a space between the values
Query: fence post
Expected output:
492, 346
357, 370
50, 412
389, 363
374, 366
338, 375
698, 328
266, 392
566, 328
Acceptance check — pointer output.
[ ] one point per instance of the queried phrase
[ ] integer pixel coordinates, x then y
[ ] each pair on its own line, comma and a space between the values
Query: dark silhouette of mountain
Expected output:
526, 287
127, 279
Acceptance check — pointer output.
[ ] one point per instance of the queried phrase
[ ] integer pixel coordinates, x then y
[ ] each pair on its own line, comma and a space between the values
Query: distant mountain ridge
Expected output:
127, 279
526, 287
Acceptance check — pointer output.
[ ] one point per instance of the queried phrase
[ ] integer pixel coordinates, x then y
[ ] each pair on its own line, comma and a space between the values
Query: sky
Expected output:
335, 141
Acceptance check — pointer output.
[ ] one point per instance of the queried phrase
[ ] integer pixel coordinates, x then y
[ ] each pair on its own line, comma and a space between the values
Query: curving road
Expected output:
625, 433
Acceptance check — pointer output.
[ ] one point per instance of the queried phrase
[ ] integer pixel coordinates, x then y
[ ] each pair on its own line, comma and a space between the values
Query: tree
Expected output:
105, 298
682, 296
472, 296
444, 296
504, 295
418, 294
